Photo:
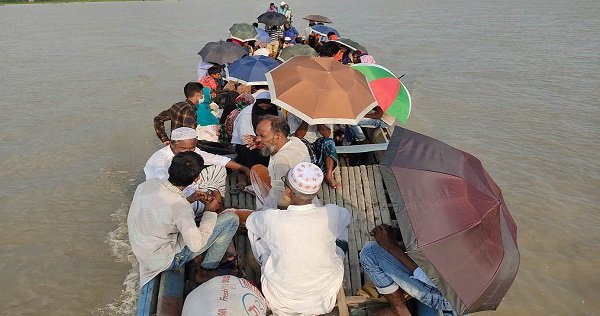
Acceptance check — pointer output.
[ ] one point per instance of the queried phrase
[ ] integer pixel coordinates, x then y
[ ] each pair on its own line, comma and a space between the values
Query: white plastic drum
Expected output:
225, 296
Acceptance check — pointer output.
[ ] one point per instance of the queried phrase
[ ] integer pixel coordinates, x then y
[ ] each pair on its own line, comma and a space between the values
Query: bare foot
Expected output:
332, 183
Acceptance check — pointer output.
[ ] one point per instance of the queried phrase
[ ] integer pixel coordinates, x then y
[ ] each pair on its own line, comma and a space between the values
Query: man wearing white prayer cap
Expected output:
300, 249
210, 189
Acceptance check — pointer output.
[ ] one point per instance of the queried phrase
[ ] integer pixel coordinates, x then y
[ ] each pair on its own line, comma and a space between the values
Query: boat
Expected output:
363, 193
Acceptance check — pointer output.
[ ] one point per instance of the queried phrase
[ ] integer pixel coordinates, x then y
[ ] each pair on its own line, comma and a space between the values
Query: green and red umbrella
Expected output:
390, 93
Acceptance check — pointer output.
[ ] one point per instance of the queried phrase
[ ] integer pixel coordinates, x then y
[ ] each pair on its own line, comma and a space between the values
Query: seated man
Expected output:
162, 232
320, 145
375, 118
393, 271
301, 249
245, 124
212, 178
272, 139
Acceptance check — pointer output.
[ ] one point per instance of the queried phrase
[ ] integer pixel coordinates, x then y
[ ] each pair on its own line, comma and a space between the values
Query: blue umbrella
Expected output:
262, 36
251, 70
323, 29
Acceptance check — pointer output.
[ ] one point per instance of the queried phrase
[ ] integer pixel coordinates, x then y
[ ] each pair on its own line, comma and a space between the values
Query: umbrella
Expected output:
296, 50
351, 44
272, 18
250, 70
317, 18
454, 221
323, 30
243, 32
221, 52
320, 90
392, 96
262, 36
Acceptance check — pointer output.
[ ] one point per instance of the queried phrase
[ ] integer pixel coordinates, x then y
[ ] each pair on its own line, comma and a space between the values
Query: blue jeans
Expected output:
215, 247
387, 273
355, 133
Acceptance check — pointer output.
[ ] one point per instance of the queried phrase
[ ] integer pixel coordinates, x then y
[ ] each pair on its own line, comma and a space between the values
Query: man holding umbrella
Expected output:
394, 273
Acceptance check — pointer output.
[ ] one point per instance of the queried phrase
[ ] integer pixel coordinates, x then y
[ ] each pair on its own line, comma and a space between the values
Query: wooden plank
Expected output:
368, 203
227, 197
364, 231
339, 200
241, 195
148, 297
355, 149
385, 211
326, 193
234, 197
374, 198
240, 248
353, 261
253, 273
249, 201
341, 303
170, 293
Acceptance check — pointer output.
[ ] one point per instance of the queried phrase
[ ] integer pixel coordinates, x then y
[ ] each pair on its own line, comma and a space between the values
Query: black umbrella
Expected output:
222, 52
272, 18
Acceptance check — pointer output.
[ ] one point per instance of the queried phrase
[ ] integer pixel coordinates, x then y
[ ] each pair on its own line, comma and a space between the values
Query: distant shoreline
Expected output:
4, 2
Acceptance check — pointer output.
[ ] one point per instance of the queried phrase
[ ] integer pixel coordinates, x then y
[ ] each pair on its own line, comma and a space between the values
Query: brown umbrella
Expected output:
317, 18
320, 90
453, 219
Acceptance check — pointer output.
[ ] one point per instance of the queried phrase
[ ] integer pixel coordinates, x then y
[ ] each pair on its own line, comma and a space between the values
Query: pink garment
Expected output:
367, 59
208, 82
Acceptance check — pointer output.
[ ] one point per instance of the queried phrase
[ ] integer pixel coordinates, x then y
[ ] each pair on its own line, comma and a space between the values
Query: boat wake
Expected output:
118, 242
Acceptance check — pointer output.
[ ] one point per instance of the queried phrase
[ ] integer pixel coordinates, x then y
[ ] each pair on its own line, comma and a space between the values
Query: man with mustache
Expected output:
274, 141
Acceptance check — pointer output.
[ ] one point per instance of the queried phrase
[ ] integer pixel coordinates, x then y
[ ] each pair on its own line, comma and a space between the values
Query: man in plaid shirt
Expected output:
181, 114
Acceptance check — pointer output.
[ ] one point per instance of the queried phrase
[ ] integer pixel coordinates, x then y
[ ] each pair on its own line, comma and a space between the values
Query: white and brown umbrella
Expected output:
320, 90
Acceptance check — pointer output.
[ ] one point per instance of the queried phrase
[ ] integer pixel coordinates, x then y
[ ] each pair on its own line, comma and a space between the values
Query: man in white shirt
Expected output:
212, 178
321, 146
301, 250
272, 139
162, 231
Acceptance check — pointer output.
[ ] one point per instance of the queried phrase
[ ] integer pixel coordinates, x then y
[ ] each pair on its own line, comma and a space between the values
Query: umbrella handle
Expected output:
401, 76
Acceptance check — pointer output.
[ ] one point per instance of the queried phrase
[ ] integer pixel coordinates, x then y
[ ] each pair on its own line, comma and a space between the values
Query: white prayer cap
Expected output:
283, 3
287, 38
183, 133
305, 177
263, 95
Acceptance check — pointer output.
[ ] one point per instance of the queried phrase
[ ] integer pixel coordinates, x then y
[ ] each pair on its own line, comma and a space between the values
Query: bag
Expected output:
225, 296
208, 132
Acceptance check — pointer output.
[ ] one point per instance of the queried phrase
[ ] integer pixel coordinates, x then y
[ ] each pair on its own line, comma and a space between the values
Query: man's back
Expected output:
302, 269
160, 223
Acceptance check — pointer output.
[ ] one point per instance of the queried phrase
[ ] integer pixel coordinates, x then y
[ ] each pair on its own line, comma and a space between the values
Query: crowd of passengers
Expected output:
177, 215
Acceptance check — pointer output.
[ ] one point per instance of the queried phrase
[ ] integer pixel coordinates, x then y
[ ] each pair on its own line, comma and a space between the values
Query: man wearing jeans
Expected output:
393, 271
162, 231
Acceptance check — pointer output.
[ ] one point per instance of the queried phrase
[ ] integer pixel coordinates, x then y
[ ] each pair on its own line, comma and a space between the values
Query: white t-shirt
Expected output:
160, 223
302, 269
312, 132
242, 126
290, 154
158, 164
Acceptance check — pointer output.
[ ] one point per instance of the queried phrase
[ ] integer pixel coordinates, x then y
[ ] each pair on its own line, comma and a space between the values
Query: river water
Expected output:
516, 84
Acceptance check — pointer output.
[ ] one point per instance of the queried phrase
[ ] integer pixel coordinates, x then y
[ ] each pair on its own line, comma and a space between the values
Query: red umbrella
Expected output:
454, 221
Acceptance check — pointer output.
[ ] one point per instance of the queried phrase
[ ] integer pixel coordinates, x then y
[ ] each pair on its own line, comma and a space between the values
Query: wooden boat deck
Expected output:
364, 195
